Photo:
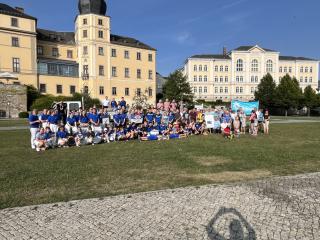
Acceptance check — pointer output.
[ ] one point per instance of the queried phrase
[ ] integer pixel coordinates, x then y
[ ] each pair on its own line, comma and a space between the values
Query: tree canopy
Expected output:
266, 91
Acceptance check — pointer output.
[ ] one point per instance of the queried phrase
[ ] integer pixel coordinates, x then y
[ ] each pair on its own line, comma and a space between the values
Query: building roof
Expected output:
290, 58
7, 10
56, 37
211, 56
130, 42
247, 48
98, 7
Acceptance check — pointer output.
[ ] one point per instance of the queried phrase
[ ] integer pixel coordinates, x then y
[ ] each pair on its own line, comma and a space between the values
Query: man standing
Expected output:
34, 123
123, 103
105, 103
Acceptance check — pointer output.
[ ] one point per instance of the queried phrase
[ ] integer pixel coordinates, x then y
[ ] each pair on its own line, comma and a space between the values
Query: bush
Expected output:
23, 115
45, 102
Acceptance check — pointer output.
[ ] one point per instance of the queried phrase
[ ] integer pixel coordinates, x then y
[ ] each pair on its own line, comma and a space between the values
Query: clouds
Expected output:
184, 37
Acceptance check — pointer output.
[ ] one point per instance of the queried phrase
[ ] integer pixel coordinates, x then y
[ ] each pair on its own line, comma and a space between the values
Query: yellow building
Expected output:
237, 74
90, 60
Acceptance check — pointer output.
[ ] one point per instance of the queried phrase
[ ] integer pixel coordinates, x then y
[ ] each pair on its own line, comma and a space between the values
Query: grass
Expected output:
13, 122
28, 177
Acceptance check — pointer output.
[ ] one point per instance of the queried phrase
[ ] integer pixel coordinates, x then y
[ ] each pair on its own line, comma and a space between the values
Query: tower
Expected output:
92, 35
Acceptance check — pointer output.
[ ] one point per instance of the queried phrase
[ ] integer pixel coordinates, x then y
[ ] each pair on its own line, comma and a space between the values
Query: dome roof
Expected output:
98, 7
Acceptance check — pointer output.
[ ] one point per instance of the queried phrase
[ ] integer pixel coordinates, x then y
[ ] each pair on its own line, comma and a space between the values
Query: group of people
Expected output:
115, 121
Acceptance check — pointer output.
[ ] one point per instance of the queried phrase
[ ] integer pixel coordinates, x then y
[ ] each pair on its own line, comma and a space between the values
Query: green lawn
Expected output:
13, 122
28, 177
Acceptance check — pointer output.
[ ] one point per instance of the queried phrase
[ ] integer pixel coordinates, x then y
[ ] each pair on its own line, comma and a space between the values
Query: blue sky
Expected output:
181, 28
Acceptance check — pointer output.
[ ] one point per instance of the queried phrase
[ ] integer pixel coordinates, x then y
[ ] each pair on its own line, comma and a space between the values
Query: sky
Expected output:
179, 29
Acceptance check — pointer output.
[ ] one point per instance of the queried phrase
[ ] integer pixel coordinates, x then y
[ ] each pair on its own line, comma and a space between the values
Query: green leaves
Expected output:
266, 91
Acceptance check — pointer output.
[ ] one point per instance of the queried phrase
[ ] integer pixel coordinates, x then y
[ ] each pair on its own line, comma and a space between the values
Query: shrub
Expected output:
23, 115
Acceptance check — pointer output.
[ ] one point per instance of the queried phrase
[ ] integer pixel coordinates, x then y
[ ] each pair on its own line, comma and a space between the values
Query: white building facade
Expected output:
237, 74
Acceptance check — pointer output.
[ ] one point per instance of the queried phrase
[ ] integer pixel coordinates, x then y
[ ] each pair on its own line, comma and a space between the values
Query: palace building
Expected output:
89, 60
237, 74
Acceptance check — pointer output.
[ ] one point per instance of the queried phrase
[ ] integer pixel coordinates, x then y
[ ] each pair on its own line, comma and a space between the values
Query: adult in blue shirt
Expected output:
114, 104
95, 121
158, 117
53, 120
123, 103
117, 119
123, 117
44, 118
34, 124
84, 121
150, 116
71, 124
62, 137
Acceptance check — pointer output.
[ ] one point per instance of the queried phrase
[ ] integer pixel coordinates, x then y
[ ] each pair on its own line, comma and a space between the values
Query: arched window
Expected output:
306, 69
195, 78
239, 65
221, 68
306, 79
301, 69
200, 89
226, 68
216, 69
301, 79
205, 68
252, 79
205, 89
200, 78
280, 69
200, 68
310, 79
195, 68
256, 79
221, 79
269, 67
226, 79
195, 89
311, 69
205, 79
254, 65
216, 79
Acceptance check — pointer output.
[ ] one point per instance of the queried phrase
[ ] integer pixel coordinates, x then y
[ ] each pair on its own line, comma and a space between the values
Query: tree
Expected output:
288, 94
177, 87
266, 91
32, 95
310, 98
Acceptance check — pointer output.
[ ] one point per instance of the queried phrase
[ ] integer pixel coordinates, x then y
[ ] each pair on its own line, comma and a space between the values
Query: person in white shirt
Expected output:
105, 103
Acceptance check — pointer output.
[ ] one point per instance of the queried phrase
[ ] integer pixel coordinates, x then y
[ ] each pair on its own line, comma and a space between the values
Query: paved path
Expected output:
279, 208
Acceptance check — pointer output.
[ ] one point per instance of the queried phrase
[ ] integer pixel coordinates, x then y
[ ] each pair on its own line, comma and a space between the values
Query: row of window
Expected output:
72, 90
199, 68
239, 79
58, 69
127, 55
254, 65
306, 79
85, 21
54, 52
306, 69
114, 73
85, 33
224, 90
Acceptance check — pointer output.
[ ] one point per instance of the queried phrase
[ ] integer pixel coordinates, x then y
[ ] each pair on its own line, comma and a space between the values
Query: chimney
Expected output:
20, 9
224, 51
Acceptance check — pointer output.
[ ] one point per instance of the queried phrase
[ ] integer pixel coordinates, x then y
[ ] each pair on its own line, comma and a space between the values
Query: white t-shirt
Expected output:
105, 103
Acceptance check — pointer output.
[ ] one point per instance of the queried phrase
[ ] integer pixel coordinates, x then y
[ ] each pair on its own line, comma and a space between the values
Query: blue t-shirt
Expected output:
33, 118
62, 134
117, 118
149, 117
114, 104
71, 121
226, 118
123, 103
84, 119
158, 118
44, 117
123, 117
162, 128
53, 119
171, 117
94, 118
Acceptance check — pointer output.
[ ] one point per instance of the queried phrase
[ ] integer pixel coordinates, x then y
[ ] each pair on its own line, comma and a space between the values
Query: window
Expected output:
216, 89
241, 89
226, 68
16, 65
42, 88
138, 73
252, 90
126, 91
205, 68
200, 68
194, 89
15, 41
205, 79
101, 90
200, 78
285, 69
100, 34
195, 68
256, 79
311, 69
254, 65
194, 78
216, 79
101, 51
221, 79
226, 79
290, 69
85, 33
72, 89
70, 54
301, 69
39, 50
301, 79
150, 74
126, 54
86, 69
237, 79
114, 91
216, 68
310, 79
59, 89
226, 90
150, 57
306, 69
150, 92
139, 92
14, 22
100, 22
241, 79
269, 66
280, 69
138, 56
126, 72
239, 66
114, 71
306, 79
55, 52
237, 89
221, 68
101, 70
205, 89
200, 89
113, 52
221, 89
85, 21
252, 79
85, 50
